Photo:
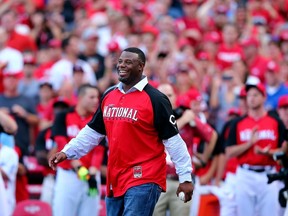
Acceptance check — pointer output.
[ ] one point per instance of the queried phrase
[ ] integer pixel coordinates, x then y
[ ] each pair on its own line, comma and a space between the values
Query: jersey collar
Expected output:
138, 86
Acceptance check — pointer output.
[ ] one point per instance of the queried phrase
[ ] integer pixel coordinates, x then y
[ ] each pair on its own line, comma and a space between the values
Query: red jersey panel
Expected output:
270, 133
135, 124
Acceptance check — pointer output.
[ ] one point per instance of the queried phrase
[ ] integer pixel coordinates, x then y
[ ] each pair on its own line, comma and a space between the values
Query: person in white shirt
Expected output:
11, 60
62, 70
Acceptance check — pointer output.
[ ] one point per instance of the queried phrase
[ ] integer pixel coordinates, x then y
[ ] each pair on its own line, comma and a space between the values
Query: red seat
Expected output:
32, 208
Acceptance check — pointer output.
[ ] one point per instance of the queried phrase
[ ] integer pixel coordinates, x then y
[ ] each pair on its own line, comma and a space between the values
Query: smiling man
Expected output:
139, 123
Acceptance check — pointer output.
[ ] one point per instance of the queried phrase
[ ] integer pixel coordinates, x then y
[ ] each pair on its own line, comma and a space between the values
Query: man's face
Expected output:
10, 83
255, 99
90, 100
129, 68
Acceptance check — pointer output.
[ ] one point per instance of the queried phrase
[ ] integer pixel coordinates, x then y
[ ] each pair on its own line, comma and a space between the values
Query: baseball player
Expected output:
138, 122
253, 139
76, 186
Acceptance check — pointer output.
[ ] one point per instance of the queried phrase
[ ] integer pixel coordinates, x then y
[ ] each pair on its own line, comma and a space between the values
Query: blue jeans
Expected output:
137, 201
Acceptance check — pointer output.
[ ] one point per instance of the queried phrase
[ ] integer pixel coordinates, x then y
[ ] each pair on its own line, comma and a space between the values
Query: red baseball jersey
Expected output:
135, 124
66, 126
270, 130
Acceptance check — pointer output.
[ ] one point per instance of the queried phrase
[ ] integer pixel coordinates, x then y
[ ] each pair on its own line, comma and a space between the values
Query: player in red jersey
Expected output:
139, 123
253, 139
75, 185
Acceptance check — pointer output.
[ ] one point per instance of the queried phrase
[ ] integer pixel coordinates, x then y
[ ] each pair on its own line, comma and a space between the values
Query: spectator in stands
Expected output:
89, 54
46, 95
224, 96
10, 58
16, 40
62, 70
229, 50
275, 88
28, 85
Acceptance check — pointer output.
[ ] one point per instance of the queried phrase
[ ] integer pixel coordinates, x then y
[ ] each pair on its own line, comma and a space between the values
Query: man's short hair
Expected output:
136, 50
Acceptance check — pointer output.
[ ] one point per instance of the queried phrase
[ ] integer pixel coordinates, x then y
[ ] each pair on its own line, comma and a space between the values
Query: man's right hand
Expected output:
56, 158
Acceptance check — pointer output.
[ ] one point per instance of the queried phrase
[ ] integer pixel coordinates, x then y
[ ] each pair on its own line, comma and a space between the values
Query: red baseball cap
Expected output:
273, 66
283, 101
259, 86
194, 95
54, 43
234, 111
242, 93
212, 36
16, 74
190, 1
203, 56
61, 100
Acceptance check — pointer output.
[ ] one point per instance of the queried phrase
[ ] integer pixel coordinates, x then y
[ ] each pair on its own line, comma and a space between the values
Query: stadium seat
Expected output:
32, 208
209, 205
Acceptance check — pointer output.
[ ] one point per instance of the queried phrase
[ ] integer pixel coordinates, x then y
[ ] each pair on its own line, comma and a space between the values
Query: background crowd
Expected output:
207, 50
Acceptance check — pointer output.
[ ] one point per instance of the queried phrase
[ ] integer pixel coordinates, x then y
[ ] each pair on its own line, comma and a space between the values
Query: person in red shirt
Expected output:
139, 124
256, 63
253, 139
79, 195
15, 40
229, 50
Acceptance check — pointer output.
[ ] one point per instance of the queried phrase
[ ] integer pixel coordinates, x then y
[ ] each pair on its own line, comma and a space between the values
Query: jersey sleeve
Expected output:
164, 120
59, 125
281, 132
232, 140
40, 140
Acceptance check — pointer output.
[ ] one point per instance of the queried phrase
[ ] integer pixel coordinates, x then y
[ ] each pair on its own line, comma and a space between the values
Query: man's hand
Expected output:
187, 188
56, 158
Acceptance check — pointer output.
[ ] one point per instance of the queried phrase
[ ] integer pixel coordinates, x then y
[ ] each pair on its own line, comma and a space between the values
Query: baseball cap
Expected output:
45, 83
212, 36
259, 86
234, 111
190, 1
61, 101
242, 93
113, 46
194, 95
283, 101
90, 33
15, 74
77, 68
272, 66
203, 55
29, 59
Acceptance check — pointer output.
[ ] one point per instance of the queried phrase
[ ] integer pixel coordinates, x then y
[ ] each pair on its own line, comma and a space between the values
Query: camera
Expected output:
282, 175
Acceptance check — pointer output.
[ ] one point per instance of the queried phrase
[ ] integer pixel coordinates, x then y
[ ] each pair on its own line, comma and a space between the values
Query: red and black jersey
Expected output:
66, 126
135, 124
271, 131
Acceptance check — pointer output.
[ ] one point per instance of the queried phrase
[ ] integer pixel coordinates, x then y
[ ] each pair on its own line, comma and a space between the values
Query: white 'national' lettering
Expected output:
120, 112
245, 135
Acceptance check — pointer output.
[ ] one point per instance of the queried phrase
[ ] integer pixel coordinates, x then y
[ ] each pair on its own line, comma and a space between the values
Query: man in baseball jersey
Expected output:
75, 189
139, 123
253, 139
